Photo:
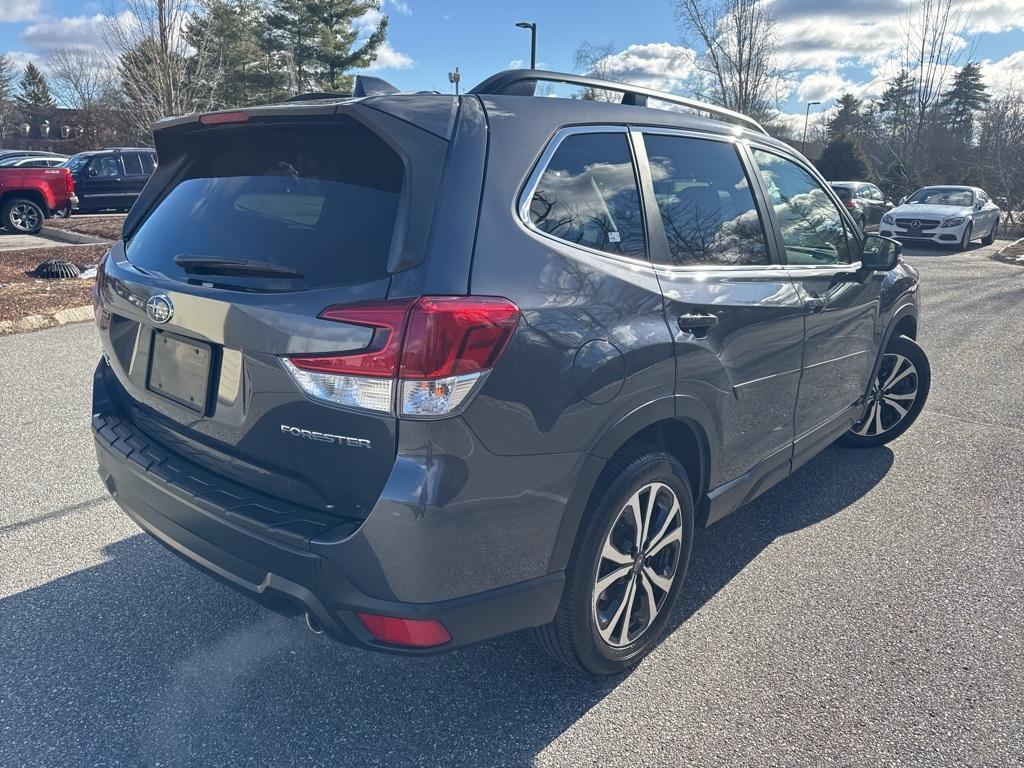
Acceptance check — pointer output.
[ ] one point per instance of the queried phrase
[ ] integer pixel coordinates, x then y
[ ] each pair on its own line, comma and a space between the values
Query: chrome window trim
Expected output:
687, 133
533, 180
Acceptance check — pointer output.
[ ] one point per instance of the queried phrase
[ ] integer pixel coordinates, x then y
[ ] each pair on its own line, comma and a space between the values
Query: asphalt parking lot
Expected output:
866, 611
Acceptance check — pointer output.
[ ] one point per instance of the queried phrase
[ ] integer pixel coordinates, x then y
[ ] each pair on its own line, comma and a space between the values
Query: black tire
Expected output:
991, 236
882, 421
22, 216
574, 636
965, 241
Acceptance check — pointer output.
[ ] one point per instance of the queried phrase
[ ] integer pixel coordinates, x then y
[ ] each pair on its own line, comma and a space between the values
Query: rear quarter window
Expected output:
319, 198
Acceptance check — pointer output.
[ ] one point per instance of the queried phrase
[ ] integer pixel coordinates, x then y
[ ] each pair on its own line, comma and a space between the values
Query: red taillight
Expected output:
218, 118
387, 318
69, 182
433, 352
417, 633
850, 204
450, 336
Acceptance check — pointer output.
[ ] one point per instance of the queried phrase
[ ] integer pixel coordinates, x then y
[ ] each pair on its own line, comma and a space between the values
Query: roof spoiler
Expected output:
371, 86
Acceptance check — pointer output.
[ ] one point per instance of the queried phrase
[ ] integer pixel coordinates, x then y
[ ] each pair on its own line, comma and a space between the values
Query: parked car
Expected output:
33, 162
429, 368
9, 154
29, 196
865, 202
110, 179
950, 215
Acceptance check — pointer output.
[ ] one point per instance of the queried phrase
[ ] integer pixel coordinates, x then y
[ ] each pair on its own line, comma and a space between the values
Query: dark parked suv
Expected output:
110, 179
866, 203
429, 369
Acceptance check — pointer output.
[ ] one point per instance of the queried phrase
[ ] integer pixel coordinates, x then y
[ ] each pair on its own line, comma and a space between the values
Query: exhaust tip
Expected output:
313, 624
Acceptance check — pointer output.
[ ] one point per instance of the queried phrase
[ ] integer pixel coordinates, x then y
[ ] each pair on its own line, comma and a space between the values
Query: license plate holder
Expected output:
179, 370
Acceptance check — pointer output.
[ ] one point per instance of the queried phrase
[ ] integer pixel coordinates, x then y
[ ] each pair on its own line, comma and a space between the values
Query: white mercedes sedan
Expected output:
946, 215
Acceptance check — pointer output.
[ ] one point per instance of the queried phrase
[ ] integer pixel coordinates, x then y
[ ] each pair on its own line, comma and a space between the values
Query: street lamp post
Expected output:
807, 115
453, 78
532, 26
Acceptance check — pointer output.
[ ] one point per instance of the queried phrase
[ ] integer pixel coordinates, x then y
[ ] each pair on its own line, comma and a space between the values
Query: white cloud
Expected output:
389, 58
367, 23
19, 59
516, 64
1005, 75
402, 8
72, 32
662, 66
20, 10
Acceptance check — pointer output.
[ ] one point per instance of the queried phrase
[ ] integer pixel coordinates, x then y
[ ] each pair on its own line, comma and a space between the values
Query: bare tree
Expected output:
162, 70
81, 77
1001, 135
738, 66
591, 59
934, 43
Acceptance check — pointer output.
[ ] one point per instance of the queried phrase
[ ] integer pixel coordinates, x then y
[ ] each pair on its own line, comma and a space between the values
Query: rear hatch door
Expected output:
257, 228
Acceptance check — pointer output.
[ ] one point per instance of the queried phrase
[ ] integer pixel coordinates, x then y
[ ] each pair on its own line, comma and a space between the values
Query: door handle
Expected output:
697, 323
815, 303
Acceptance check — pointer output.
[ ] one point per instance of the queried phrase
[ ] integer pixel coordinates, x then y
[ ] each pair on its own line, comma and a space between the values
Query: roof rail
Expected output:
523, 82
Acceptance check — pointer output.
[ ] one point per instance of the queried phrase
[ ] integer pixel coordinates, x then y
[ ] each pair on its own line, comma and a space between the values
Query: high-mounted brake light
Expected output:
217, 118
436, 349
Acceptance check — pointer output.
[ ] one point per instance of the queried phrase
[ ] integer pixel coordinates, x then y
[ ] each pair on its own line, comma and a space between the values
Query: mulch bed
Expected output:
106, 226
22, 295
1012, 254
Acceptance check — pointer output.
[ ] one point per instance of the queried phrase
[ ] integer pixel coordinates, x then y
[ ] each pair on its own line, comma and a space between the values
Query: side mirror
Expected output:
92, 173
880, 254
889, 202
979, 205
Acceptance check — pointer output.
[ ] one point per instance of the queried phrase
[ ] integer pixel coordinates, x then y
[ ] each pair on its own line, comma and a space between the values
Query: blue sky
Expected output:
830, 46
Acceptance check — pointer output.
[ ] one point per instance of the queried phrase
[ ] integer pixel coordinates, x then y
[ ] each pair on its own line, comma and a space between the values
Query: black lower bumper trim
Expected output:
290, 580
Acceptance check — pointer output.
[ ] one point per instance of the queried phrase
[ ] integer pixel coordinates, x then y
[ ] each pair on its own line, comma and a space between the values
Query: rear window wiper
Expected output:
212, 265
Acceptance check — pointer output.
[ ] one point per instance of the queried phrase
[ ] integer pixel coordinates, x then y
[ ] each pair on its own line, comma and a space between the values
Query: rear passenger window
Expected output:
705, 202
148, 163
588, 195
132, 165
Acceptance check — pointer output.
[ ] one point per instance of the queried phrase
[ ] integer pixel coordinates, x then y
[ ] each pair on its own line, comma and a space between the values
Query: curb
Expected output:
38, 322
72, 238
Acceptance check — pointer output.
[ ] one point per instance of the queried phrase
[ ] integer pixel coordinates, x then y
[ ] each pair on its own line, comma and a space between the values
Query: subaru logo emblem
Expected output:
159, 308
915, 224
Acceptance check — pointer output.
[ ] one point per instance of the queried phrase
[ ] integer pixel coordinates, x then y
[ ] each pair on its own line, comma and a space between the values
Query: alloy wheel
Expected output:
891, 397
25, 217
637, 565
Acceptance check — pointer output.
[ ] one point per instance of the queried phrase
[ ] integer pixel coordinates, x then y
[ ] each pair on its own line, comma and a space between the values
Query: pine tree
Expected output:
317, 36
249, 71
842, 159
848, 122
896, 108
33, 90
965, 97
6, 78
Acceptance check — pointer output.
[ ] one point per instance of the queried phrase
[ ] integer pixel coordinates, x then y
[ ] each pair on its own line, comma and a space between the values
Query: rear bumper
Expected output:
290, 580
177, 505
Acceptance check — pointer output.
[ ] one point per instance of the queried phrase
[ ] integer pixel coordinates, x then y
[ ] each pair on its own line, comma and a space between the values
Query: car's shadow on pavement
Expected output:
936, 249
143, 661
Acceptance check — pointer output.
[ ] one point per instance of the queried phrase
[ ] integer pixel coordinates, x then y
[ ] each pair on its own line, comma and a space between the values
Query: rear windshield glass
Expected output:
845, 193
319, 201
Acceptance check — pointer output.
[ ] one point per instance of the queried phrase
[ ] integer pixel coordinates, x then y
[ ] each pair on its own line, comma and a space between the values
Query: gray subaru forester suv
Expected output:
428, 369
